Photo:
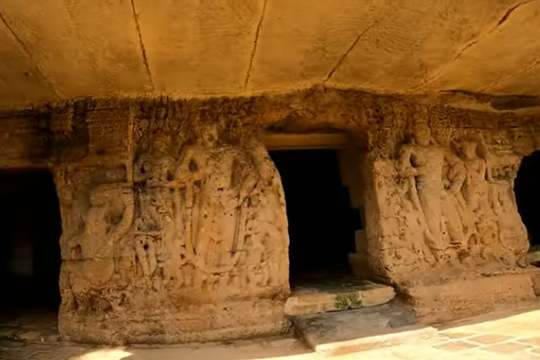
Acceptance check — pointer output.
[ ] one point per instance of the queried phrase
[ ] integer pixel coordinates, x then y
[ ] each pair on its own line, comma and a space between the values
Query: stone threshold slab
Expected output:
327, 297
350, 331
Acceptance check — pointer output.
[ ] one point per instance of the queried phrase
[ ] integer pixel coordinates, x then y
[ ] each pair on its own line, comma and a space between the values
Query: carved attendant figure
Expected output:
457, 220
421, 163
485, 236
154, 239
188, 178
475, 190
156, 166
266, 227
512, 231
108, 219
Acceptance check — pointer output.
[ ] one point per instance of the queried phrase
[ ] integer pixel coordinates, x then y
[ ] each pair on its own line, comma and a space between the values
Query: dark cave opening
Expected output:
527, 190
29, 248
322, 223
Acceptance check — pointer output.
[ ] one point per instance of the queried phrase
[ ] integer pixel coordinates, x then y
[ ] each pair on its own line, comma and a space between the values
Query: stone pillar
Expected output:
444, 218
172, 233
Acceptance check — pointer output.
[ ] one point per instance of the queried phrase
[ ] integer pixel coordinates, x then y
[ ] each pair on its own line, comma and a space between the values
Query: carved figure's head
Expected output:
161, 144
422, 134
470, 149
209, 135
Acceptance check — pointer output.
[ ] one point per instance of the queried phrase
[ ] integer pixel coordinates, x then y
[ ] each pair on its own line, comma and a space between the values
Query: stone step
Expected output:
337, 296
344, 332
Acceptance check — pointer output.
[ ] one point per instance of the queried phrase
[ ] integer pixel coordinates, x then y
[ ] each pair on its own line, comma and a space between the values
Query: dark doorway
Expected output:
29, 244
322, 223
527, 189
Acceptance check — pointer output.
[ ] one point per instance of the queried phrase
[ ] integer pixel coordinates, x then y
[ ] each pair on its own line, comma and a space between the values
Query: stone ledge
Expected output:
201, 323
535, 277
314, 300
462, 298
362, 329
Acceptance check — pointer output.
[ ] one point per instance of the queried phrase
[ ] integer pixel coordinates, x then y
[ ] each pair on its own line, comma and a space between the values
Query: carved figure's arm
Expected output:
405, 167
183, 172
456, 174
488, 173
183, 163
265, 166
139, 175
127, 216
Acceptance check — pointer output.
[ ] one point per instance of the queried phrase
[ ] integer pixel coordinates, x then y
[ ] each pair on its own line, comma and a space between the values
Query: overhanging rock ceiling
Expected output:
62, 49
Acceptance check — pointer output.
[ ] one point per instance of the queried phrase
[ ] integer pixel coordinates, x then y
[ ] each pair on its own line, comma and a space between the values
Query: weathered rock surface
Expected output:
174, 224
458, 298
59, 50
187, 241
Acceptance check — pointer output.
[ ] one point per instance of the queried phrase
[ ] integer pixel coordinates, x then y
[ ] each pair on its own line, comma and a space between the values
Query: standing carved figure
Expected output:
421, 163
154, 237
512, 231
484, 239
157, 165
219, 209
109, 218
476, 187
267, 238
189, 175
456, 218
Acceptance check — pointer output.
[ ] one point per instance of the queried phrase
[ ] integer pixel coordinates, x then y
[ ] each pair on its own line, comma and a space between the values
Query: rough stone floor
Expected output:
497, 336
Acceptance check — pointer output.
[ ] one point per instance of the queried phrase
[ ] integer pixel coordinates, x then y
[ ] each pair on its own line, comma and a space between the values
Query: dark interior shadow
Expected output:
527, 190
322, 223
29, 246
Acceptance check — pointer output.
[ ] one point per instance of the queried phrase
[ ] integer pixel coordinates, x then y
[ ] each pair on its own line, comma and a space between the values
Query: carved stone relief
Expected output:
174, 225
201, 224
448, 205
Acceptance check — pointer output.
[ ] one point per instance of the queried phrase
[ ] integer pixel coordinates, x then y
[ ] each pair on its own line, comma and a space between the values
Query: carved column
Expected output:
171, 234
445, 219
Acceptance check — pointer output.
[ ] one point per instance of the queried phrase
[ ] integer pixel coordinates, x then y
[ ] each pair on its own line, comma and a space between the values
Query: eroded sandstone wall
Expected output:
173, 230
443, 223
444, 201
25, 140
173, 215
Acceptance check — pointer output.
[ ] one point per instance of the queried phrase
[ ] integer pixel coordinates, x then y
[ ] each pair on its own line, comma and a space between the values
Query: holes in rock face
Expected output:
29, 245
527, 190
76, 251
322, 223
193, 167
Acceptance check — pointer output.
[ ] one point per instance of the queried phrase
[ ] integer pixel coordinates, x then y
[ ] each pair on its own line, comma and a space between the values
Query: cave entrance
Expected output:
324, 184
29, 248
322, 222
527, 190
